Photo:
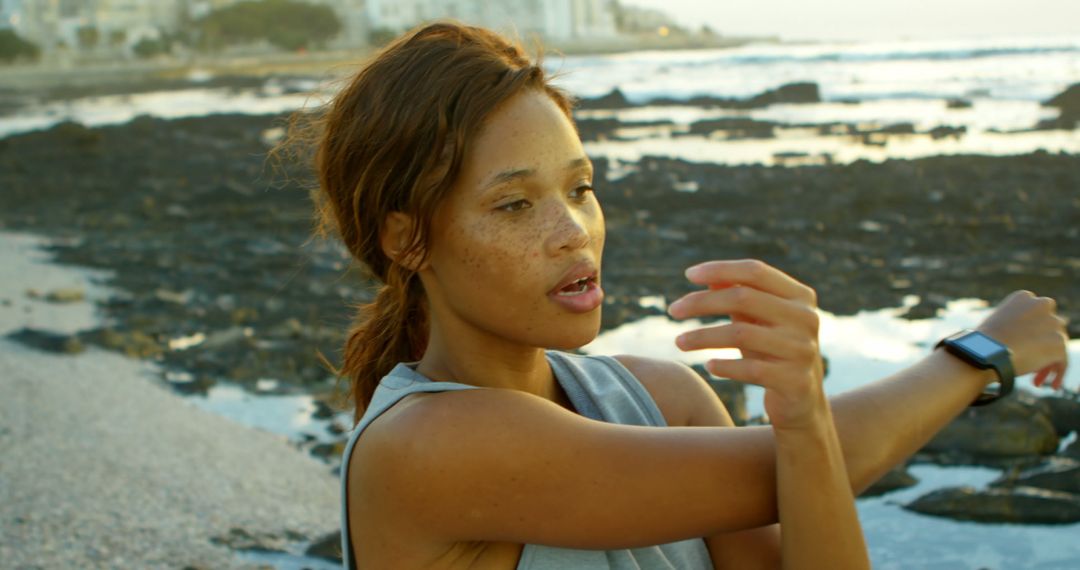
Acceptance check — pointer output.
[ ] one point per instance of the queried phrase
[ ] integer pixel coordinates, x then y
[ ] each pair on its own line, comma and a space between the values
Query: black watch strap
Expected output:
983, 352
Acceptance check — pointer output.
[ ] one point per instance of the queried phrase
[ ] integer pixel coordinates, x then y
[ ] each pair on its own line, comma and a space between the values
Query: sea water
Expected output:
1004, 81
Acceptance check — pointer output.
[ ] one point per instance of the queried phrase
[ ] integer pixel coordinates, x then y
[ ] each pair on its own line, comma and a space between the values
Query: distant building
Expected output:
551, 19
104, 29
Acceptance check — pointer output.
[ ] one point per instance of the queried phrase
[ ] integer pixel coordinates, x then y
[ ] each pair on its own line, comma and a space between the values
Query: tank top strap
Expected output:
601, 388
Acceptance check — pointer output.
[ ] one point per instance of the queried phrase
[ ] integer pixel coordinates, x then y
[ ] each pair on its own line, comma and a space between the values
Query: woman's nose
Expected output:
569, 231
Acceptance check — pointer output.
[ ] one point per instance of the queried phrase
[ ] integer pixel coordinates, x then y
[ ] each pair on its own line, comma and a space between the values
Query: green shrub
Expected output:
14, 48
287, 24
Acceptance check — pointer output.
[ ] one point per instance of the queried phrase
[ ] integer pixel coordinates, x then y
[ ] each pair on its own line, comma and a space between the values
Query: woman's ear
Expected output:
396, 231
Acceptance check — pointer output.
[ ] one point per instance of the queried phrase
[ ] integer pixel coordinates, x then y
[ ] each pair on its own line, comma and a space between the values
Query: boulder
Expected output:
327, 547
1064, 412
896, 478
48, 341
1068, 101
789, 93
1015, 426
996, 505
1058, 474
613, 100
67, 295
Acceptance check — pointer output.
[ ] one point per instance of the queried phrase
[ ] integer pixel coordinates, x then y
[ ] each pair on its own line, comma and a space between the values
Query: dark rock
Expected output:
68, 295
327, 547
896, 478
1073, 449
48, 341
944, 131
1016, 505
927, 308
613, 100
240, 539
789, 93
1064, 412
958, 103
329, 451
735, 128
1015, 426
1058, 474
1068, 102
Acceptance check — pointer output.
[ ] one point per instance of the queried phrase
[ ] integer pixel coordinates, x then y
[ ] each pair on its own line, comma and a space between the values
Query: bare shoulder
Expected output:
684, 397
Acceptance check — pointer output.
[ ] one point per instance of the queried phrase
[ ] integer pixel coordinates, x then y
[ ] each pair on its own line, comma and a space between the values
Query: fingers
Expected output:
751, 273
756, 305
761, 342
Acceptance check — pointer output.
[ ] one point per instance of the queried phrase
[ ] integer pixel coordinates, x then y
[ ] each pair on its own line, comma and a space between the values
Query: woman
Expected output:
452, 170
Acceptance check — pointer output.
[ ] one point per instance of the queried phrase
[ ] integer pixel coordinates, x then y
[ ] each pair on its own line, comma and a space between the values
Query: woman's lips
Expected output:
587, 298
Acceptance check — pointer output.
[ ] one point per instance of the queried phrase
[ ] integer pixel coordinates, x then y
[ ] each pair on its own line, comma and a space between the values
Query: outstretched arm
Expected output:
884, 422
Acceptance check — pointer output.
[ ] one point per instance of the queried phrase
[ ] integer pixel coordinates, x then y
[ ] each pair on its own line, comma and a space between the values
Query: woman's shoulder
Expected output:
682, 395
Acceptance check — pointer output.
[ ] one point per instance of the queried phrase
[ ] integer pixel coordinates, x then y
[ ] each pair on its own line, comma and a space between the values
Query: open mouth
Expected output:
578, 287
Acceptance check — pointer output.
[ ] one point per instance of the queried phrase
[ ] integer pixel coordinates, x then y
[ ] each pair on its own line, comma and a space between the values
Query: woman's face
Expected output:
515, 249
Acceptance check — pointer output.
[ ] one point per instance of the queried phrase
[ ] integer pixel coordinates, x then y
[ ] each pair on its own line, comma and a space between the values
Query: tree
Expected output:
14, 48
148, 47
287, 24
88, 36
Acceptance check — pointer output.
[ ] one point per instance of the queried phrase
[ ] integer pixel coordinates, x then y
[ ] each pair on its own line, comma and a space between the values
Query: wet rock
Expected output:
613, 100
68, 295
329, 451
1068, 102
48, 341
1057, 474
958, 103
925, 309
789, 93
135, 344
1016, 505
1064, 412
1072, 450
1015, 426
735, 128
945, 131
896, 478
328, 547
240, 539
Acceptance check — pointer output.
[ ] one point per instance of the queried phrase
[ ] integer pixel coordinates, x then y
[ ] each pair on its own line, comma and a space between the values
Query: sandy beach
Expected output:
101, 467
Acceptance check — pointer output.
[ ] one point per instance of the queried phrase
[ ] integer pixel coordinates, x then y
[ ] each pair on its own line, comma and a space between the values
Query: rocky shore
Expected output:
219, 277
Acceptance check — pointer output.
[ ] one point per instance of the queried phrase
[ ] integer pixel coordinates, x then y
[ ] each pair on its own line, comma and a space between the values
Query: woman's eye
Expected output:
515, 206
580, 192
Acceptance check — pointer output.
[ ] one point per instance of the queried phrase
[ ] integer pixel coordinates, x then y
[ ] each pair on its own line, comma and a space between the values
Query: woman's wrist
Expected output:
962, 372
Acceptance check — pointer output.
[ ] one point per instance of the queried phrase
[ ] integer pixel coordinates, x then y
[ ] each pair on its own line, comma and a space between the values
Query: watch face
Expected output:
980, 345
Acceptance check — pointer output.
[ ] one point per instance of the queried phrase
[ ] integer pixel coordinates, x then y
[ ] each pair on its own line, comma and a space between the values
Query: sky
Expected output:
876, 19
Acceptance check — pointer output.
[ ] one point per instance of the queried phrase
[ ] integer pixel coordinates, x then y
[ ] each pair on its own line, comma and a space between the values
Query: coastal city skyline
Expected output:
114, 27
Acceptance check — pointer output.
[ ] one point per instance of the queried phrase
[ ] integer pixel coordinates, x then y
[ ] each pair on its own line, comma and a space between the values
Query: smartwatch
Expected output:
983, 352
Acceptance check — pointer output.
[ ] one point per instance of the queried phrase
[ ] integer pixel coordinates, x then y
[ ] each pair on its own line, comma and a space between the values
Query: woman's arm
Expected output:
882, 423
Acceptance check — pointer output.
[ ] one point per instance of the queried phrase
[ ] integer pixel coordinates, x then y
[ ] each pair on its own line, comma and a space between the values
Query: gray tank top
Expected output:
600, 388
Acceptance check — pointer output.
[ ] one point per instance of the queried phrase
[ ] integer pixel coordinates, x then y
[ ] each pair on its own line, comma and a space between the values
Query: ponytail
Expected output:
389, 330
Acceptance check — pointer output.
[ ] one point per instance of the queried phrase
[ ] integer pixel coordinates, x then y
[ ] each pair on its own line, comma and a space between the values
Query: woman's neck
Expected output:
490, 362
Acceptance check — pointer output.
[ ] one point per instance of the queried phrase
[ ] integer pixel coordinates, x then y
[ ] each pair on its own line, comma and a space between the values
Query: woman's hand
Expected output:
1030, 327
775, 327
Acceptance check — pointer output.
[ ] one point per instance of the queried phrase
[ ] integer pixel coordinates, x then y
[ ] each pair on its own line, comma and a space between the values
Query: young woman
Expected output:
452, 170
